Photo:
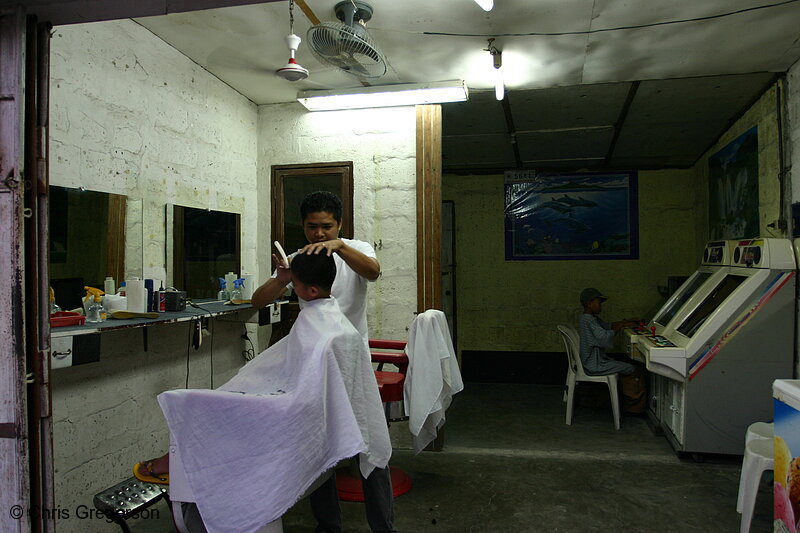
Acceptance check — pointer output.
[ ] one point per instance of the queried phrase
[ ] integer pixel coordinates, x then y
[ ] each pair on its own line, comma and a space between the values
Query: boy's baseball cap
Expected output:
587, 295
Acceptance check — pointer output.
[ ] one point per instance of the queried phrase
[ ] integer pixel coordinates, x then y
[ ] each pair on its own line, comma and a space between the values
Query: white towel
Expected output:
433, 376
251, 448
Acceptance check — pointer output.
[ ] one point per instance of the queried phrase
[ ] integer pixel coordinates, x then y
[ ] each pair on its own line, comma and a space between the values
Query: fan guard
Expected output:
347, 45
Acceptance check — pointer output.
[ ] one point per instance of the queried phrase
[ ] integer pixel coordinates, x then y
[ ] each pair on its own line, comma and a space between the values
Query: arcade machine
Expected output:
726, 350
716, 256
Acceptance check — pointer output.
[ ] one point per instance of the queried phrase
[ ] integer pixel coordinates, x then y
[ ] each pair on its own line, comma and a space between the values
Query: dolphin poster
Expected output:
572, 216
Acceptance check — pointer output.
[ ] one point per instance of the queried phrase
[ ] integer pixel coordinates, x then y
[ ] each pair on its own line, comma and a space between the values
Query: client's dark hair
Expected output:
318, 270
321, 201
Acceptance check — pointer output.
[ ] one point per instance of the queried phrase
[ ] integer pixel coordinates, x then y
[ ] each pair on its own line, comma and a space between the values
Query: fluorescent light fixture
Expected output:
384, 95
499, 84
486, 5
497, 71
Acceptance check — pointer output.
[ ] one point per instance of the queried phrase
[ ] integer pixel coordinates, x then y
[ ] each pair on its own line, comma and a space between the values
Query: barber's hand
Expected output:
327, 247
283, 272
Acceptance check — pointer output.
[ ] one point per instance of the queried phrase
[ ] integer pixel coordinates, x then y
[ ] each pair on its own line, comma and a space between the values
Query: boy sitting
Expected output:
596, 336
248, 451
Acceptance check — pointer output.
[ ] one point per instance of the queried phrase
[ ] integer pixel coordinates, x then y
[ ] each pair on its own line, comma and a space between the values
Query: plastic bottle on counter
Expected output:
160, 301
109, 287
54, 307
236, 293
95, 312
223, 293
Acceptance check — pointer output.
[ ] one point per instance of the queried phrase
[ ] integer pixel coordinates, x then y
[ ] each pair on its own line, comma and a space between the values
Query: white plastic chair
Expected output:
759, 456
575, 374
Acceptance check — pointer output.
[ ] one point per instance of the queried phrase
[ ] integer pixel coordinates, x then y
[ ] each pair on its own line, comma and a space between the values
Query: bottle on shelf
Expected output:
223, 293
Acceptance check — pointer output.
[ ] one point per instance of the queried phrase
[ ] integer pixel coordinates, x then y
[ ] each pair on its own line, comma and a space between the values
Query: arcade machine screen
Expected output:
681, 298
712, 301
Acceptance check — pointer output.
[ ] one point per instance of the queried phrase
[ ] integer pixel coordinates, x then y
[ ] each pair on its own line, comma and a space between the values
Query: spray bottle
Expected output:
236, 293
54, 308
95, 312
223, 293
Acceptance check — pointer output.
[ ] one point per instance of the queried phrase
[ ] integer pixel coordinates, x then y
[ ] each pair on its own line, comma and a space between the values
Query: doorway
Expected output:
449, 267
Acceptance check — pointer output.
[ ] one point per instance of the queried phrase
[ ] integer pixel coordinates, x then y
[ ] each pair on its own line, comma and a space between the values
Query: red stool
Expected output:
390, 386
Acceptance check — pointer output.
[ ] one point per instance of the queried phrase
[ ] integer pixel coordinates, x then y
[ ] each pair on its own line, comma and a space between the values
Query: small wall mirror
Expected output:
204, 246
291, 183
92, 235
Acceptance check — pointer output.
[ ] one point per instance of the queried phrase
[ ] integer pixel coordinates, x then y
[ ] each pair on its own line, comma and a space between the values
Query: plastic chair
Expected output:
759, 456
757, 431
575, 374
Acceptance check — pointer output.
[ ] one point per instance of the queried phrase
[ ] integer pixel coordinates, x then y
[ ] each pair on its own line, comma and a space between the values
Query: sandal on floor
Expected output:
143, 471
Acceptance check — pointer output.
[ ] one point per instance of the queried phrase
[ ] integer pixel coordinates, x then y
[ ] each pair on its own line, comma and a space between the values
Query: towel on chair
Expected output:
432, 378
252, 447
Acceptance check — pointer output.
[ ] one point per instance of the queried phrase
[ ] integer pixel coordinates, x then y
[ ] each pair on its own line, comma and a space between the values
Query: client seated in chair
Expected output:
596, 336
284, 396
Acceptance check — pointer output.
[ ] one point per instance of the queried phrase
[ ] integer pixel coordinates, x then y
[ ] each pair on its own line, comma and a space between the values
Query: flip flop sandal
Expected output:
143, 472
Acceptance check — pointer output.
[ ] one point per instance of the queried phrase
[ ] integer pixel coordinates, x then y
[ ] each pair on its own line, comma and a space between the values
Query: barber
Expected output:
356, 265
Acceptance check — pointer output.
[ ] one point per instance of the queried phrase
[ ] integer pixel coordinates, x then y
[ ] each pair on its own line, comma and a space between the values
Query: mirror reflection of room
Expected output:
207, 246
93, 235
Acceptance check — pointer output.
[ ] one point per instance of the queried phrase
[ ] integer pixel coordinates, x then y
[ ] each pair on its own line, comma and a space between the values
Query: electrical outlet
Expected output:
275, 313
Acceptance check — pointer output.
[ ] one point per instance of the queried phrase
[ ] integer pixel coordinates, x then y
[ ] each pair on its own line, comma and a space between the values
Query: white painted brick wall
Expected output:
131, 115
382, 145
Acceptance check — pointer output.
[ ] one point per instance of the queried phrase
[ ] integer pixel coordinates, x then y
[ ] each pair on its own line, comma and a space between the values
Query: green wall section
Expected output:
516, 305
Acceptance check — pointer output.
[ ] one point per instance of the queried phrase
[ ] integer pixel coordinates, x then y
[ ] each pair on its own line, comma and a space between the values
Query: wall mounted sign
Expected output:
733, 189
573, 216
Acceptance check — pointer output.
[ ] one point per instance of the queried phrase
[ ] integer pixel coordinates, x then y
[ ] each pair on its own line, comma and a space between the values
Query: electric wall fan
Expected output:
347, 45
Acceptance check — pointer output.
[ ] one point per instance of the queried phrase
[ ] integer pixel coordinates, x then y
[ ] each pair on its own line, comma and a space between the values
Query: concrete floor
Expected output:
511, 464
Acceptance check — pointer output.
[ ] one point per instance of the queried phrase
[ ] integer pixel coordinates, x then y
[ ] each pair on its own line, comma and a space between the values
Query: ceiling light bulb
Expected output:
486, 5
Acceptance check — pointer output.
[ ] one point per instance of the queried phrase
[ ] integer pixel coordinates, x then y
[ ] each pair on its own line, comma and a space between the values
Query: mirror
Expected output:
92, 235
291, 183
204, 245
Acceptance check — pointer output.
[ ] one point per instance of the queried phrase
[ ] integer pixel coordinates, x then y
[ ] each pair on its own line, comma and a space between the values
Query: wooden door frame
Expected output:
14, 330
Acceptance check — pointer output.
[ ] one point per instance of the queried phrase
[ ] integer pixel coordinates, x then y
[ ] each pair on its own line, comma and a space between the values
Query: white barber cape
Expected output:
249, 450
432, 378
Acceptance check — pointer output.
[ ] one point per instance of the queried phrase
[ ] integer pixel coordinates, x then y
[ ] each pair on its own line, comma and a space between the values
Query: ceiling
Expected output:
585, 95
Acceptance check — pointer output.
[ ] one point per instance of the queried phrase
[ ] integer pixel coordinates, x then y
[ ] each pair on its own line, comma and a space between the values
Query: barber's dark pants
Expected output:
378, 503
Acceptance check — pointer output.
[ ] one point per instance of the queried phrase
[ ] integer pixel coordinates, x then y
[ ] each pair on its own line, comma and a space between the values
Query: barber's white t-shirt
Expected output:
350, 288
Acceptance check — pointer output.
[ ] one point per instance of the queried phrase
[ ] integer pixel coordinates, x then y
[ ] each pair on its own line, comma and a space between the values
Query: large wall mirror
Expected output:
202, 246
290, 183
92, 235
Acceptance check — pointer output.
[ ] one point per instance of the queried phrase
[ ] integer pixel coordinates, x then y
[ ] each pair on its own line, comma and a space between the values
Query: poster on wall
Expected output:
572, 216
733, 189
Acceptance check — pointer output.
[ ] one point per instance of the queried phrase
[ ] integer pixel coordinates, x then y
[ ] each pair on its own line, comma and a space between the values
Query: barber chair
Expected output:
390, 387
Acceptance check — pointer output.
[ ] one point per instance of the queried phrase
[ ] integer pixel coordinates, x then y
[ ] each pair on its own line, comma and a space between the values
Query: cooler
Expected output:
786, 394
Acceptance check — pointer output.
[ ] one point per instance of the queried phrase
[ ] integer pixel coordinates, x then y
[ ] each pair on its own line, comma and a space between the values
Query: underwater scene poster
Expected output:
573, 216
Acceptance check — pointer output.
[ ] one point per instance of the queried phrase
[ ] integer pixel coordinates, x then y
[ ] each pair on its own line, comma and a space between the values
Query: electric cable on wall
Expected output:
211, 330
188, 346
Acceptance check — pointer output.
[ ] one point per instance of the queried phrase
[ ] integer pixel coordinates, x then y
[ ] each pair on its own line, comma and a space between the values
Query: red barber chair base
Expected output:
350, 490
